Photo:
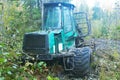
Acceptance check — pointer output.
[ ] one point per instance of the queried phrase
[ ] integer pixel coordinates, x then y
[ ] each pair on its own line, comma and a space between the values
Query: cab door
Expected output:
68, 27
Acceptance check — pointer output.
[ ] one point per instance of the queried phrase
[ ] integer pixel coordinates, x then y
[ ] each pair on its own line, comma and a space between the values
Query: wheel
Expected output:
81, 61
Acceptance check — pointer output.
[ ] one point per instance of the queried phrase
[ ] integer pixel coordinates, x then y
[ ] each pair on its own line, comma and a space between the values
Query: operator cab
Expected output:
58, 16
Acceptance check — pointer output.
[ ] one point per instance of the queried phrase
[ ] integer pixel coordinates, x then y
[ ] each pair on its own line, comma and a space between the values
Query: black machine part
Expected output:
83, 24
36, 42
79, 65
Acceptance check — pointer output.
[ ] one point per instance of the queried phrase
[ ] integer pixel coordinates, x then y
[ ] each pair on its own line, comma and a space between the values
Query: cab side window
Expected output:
67, 20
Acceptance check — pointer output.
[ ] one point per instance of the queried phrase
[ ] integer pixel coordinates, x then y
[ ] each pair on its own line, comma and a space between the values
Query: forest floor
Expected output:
105, 64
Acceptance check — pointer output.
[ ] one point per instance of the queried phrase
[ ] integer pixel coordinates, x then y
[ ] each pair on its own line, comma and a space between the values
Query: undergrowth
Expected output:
107, 65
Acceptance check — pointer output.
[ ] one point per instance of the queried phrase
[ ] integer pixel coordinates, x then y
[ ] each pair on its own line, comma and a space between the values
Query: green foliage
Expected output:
11, 68
52, 78
107, 25
102, 74
108, 65
17, 21
41, 65
102, 29
115, 55
1, 49
96, 29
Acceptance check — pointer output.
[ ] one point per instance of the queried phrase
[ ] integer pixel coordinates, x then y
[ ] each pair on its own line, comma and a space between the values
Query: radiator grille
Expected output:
35, 43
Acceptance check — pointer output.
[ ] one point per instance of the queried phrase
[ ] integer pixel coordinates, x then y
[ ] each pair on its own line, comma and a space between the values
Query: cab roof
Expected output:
59, 4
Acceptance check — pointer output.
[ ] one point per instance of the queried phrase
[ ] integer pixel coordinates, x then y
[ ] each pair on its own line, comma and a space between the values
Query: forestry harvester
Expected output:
61, 38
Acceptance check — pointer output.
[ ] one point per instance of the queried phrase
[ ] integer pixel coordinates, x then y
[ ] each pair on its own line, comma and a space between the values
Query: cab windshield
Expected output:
52, 17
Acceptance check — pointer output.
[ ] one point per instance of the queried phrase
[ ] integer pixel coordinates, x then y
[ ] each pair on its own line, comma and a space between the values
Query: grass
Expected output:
108, 65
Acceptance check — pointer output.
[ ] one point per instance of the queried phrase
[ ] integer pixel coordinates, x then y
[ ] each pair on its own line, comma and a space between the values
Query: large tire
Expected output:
81, 61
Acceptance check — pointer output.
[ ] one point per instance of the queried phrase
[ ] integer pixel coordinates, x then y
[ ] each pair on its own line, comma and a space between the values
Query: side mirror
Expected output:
82, 24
